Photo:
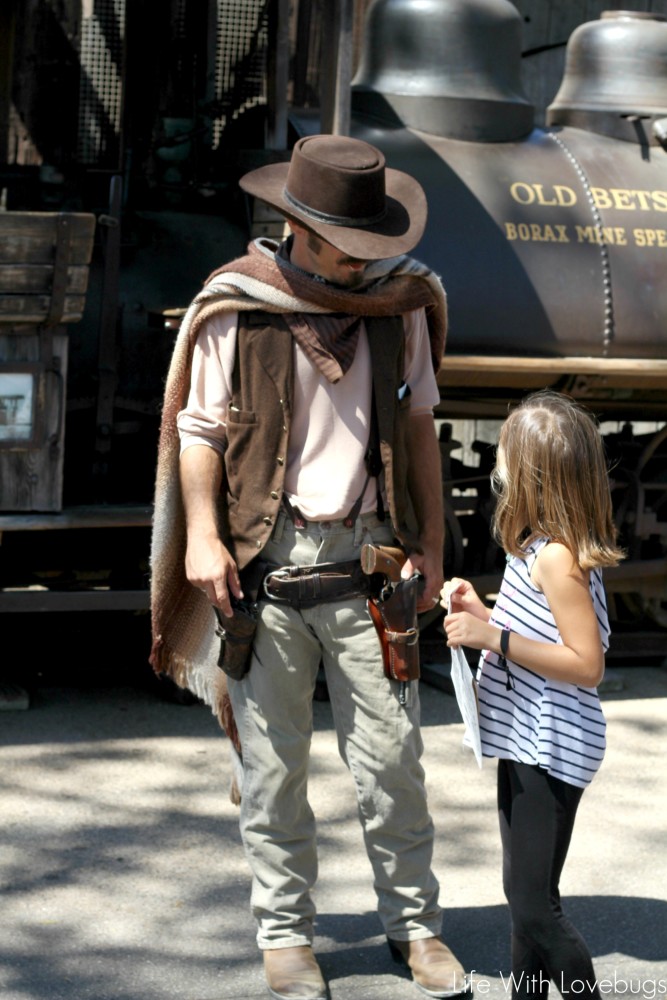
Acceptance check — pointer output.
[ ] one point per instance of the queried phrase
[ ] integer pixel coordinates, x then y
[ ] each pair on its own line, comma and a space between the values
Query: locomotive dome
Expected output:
615, 80
447, 67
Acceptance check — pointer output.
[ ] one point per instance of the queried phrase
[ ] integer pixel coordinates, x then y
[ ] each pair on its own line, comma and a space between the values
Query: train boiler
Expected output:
551, 242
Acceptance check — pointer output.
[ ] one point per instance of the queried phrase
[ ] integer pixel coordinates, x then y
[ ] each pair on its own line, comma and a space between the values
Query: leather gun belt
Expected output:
306, 586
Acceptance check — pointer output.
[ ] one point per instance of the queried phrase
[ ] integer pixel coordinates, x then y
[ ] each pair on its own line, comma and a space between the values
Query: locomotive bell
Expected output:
615, 80
447, 67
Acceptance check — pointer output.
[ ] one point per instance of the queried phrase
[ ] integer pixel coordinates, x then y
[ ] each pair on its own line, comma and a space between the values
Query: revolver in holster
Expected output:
394, 613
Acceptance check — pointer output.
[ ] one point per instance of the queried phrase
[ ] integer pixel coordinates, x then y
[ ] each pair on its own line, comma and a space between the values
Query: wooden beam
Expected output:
453, 365
97, 516
640, 576
17, 601
278, 75
336, 74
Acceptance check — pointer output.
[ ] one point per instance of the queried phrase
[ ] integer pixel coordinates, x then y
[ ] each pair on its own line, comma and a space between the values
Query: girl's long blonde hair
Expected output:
551, 480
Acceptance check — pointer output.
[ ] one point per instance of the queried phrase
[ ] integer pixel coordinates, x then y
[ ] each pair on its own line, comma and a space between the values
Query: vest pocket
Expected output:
241, 427
236, 416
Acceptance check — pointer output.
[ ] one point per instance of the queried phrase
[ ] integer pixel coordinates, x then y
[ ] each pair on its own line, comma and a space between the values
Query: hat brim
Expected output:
398, 232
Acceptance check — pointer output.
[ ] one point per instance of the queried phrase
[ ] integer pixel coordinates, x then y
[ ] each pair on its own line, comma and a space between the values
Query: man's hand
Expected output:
210, 567
429, 564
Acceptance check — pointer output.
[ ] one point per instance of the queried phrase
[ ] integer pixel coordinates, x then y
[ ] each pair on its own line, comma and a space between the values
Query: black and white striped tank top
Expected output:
553, 724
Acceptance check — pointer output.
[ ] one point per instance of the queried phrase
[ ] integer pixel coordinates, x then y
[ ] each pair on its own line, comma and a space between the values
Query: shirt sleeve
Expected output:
419, 374
203, 419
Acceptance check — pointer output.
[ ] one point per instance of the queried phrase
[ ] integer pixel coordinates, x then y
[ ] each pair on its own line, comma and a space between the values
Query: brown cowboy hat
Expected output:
340, 188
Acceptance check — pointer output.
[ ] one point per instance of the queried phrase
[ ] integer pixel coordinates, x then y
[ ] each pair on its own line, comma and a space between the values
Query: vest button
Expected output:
274, 495
267, 520
258, 543
280, 460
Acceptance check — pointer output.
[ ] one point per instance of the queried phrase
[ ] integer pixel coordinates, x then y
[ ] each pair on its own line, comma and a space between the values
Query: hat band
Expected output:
332, 220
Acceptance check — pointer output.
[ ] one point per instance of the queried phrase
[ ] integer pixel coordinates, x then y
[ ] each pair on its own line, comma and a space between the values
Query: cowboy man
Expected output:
289, 364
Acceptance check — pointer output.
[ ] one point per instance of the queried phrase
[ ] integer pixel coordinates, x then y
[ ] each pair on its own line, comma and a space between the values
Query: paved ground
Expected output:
123, 876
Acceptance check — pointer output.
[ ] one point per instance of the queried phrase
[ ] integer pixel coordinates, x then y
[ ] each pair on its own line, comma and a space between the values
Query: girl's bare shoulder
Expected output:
556, 562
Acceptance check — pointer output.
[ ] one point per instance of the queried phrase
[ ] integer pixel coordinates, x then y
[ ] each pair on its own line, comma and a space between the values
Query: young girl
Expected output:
543, 647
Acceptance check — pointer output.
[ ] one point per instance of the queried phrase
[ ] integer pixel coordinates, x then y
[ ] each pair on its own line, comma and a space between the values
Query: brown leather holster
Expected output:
236, 635
395, 621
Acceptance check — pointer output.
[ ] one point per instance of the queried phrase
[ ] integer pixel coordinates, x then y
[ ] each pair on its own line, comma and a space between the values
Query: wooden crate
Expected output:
267, 221
44, 260
33, 377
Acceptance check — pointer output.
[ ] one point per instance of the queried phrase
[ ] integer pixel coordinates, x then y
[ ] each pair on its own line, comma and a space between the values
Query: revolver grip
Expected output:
385, 559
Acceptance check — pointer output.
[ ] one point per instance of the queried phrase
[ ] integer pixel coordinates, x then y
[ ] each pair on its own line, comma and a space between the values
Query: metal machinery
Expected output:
551, 241
549, 228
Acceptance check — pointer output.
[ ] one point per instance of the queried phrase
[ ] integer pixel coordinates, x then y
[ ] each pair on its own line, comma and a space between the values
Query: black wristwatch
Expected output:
504, 646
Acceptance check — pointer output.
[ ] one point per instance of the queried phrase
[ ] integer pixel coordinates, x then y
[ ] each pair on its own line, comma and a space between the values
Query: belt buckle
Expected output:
279, 574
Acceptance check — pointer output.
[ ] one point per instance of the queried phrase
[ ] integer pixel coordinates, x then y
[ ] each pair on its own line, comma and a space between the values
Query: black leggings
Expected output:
536, 813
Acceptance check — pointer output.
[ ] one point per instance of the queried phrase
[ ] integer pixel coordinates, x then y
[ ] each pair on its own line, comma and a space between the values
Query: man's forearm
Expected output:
425, 480
201, 477
209, 565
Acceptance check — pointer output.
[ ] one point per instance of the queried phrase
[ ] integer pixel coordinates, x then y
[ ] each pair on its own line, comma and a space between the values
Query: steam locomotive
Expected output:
550, 237
551, 241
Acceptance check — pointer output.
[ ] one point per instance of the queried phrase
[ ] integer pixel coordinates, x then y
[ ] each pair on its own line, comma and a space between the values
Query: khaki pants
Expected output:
378, 739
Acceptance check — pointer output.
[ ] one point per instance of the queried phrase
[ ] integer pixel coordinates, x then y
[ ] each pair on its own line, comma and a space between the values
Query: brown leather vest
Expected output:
259, 420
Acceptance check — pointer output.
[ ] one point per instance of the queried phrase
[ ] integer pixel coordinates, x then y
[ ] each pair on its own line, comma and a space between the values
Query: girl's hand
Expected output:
465, 629
464, 598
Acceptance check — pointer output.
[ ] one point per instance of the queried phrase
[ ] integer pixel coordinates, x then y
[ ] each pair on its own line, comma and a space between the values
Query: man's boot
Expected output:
293, 974
435, 970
